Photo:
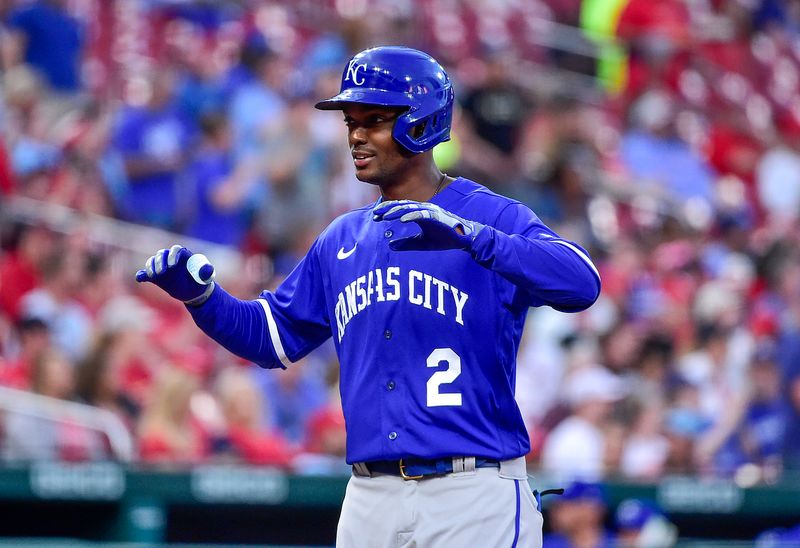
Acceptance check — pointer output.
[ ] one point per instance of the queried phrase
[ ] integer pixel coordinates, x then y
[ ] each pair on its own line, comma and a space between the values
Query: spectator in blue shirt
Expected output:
153, 140
658, 159
293, 397
49, 39
223, 190
764, 422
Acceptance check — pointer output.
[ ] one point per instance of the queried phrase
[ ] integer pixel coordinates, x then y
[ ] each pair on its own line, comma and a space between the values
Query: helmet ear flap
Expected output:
418, 130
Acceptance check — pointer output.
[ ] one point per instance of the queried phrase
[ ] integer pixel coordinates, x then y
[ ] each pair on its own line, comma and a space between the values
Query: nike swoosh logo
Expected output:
342, 254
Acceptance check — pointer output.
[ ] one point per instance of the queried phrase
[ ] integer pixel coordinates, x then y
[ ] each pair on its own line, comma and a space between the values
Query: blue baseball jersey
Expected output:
427, 340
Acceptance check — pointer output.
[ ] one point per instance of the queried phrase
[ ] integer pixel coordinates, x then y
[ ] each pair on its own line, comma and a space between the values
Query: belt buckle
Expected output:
403, 473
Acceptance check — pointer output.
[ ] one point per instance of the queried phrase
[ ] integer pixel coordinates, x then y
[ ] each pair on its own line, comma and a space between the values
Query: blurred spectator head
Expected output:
641, 523
167, 432
581, 507
215, 129
31, 243
717, 305
152, 87
53, 375
621, 347
34, 335
125, 313
591, 391
765, 374
62, 273
22, 88
98, 377
240, 400
171, 396
254, 51
653, 112
655, 357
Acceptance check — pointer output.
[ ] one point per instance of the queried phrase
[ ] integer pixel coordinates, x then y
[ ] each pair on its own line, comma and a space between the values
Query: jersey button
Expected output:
390, 385
387, 334
392, 435
388, 234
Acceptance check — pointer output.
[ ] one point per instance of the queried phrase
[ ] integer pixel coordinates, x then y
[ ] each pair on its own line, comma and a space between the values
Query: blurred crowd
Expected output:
668, 144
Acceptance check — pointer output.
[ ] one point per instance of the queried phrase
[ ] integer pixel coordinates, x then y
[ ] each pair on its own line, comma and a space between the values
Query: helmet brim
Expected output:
366, 96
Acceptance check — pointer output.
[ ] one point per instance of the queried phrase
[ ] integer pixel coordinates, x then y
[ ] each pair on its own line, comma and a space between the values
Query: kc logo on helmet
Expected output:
352, 72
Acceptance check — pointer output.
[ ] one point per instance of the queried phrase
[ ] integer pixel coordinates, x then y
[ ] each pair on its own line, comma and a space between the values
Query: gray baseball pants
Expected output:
483, 507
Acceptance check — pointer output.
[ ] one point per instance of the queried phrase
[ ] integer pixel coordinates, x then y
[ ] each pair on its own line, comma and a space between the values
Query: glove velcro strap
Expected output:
200, 299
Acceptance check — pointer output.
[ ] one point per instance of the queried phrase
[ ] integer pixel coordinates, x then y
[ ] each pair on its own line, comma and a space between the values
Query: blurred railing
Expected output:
66, 412
137, 242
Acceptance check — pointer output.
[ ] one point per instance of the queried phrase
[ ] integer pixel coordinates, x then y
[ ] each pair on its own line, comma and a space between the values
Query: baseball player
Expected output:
425, 294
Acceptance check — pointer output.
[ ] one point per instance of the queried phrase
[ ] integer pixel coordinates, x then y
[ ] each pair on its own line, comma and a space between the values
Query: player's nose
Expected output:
357, 136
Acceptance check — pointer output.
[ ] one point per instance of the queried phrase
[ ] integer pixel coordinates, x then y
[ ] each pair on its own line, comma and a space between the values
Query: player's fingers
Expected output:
410, 243
174, 254
416, 216
141, 276
160, 264
148, 266
398, 211
384, 207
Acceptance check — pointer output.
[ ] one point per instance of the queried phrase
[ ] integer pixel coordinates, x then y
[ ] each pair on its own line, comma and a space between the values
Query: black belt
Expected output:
412, 468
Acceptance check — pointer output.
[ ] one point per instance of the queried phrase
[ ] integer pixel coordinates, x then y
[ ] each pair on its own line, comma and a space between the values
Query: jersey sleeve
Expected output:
277, 328
297, 313
544, 268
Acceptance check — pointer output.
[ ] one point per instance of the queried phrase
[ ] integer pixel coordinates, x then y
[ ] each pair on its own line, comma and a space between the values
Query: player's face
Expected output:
377, 157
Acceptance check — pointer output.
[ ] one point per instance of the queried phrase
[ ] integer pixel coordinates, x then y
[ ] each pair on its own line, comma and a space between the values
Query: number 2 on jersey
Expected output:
453, 361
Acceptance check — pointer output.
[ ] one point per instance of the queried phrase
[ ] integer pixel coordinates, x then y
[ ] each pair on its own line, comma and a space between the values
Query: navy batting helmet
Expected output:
395, 76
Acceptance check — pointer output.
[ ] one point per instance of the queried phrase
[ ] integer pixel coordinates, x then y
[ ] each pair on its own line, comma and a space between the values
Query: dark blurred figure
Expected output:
495, 111
47, 37
296, 167
576, 518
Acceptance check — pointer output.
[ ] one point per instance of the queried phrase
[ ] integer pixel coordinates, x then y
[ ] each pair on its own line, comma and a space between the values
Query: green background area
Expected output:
234, 504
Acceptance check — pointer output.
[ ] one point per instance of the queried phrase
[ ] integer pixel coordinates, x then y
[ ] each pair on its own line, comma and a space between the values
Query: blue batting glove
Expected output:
184, 275
440, 228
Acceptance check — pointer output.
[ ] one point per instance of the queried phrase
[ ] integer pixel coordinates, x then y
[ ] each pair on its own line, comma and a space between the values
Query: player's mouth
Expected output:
362, 159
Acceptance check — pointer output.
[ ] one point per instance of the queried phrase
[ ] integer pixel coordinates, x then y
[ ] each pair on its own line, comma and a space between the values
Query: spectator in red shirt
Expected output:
168, 432
19, 268
33, 339
245, 437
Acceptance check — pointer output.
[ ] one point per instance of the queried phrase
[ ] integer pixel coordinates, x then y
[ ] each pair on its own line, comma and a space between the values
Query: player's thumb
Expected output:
201, 270
141, 276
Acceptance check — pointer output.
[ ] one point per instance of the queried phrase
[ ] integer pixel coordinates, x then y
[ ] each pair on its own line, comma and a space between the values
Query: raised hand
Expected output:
440, 228
186, 276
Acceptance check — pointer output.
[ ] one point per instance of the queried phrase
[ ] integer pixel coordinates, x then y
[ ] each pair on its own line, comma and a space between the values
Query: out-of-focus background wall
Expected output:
664, 136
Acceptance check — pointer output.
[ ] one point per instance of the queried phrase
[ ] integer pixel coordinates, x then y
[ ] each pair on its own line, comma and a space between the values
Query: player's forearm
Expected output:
238, 325
554, 273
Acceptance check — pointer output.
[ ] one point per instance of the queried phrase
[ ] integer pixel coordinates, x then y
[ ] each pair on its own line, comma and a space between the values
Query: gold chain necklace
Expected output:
439, 186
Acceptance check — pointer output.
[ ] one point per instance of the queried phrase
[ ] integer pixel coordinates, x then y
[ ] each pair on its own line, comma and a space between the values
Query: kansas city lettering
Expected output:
382, 285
